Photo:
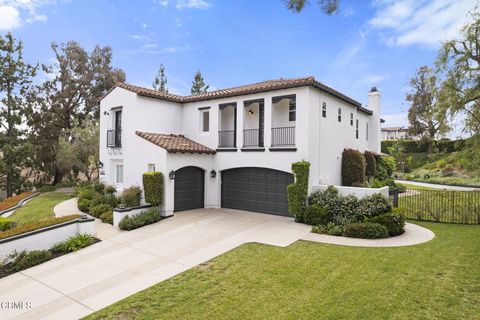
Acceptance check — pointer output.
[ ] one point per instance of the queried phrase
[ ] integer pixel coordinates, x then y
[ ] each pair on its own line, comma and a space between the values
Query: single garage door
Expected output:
189, 188
256, 189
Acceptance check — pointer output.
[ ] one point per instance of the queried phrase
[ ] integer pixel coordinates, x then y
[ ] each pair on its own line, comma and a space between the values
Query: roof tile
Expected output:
174, 143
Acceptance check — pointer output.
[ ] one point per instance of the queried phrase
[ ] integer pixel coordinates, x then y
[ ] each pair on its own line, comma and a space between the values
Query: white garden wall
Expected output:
119, 214
355, 191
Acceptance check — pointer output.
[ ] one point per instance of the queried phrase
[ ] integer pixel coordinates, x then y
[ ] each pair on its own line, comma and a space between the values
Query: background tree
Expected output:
69, 99
425, 115
328, 6
198, 84
15, 80
160, 82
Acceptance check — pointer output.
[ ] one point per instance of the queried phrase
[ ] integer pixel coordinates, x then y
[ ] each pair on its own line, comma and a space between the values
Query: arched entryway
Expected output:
189, 189
256, 189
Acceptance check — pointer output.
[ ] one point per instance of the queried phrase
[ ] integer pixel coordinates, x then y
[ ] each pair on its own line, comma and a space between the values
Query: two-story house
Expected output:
233, 148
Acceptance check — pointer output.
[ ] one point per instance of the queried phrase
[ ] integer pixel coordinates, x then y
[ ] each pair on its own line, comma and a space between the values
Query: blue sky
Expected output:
378, 42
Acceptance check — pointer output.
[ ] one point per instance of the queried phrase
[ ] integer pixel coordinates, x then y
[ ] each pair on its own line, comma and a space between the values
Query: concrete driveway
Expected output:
80, 283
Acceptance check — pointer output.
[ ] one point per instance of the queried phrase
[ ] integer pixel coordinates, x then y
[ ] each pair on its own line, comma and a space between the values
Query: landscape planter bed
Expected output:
120, 213
15, 202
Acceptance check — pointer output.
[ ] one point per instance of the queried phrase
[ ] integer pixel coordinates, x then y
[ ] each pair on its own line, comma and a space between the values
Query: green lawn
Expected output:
436, 280
39, 207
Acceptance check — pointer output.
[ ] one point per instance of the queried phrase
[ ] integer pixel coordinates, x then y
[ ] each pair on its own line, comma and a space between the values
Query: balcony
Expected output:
114, 138
226, 139
283, 137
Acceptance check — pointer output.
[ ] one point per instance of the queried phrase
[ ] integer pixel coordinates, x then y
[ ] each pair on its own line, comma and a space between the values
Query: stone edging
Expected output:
19, 204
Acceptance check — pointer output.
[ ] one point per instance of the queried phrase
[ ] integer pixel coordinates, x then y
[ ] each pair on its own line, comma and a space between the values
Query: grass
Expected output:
306, 280
38, 208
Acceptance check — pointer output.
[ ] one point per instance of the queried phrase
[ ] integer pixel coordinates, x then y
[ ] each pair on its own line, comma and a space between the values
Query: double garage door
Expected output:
250, 189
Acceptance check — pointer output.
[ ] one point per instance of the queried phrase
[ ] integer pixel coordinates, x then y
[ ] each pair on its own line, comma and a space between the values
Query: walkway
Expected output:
80, 283
437, 186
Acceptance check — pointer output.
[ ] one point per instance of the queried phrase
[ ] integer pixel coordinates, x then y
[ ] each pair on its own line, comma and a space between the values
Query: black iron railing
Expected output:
283, 137
449, 206
251, 138
226, 139
114, 138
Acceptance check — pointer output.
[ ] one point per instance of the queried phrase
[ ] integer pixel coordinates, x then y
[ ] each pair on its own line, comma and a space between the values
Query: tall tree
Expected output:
69, 98
198, 84
425, 115
328, 6
15, 80
160, 82
460, 60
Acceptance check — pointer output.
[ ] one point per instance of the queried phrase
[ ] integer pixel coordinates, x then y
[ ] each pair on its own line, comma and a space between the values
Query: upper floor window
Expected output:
205, 120
339, 114
351, 119
118, 120
324, 109
151, 167
367, 130
356, 129
292, 111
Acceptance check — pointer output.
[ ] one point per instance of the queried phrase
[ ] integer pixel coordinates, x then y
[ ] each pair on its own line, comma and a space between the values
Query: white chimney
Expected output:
375, 132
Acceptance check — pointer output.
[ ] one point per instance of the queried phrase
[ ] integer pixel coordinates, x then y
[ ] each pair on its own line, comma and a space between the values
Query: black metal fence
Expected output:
449, 206
251, 138
283, 136
226, 139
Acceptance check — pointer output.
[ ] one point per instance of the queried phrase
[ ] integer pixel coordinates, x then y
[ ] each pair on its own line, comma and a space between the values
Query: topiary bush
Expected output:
6, 224
298, 191
100, 209
365, 230
153, 187
144, 218
353, 168
371, 164
316, 215
131, 196
393, 221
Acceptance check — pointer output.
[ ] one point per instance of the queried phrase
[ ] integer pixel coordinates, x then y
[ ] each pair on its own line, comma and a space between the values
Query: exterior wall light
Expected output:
105, 113
171, 175
213, 174
250, 112
100, 164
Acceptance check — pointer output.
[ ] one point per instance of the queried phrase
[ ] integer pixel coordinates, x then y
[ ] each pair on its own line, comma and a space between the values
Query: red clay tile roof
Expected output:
175, 143
265, 86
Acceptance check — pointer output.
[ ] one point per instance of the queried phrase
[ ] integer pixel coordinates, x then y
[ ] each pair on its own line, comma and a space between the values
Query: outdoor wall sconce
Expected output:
250, 112
105, 113
171, 175
213, 174
100, 164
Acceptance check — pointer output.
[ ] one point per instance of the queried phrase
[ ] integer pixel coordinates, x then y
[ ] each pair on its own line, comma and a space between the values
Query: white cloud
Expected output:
351, 49
178, 22
373, 79
9, 18
407, 22
192, 4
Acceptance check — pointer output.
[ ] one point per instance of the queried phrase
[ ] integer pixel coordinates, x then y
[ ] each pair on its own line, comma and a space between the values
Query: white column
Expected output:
375, 126
267, 124
240, 114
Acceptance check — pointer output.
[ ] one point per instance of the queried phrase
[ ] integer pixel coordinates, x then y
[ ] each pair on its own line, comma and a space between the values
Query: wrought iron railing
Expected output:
251, 138
226, 139
114, 138
283, 137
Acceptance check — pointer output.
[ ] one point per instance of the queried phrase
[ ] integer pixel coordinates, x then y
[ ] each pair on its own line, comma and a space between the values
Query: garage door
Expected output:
256, 189
189, 188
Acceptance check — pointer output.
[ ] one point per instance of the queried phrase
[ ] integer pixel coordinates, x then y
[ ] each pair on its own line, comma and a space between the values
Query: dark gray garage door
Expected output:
256, 189
189, 188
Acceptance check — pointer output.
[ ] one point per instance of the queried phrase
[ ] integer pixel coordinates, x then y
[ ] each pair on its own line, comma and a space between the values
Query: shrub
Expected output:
331, 229
385, 167
107, 217
6, 224
365, 230
100, 209
153, 187
139, 220
110, 189
27, 227
131, 196
99, 187
47, 188
371, 164
86, 193
298, 191
12, 201
73, 243
315, 215
341, 210
112, 200
353, 167
84, 204
97, 200
448, 171
374, 205
18, 261
393, 221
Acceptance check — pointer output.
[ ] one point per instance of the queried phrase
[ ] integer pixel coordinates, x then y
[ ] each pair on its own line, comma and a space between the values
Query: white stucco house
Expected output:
233, 148
394, 133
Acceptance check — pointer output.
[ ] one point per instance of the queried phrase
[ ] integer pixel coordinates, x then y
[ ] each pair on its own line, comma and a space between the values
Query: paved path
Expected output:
437, 186
80, 283
103, 230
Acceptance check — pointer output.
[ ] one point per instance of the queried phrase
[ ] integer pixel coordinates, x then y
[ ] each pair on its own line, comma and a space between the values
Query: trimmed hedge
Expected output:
316, 215
12, 201
365, 230
153, 187
385, 167
393, 221
36, 225
421, 146
298, 191
353, 168
371, 164
144, 218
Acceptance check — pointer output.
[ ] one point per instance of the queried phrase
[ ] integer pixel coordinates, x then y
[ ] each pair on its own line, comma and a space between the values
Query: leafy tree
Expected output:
160, 82
328, 6
15, 80
68, 99
397, 150
460, 60
425, 115
198, 84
